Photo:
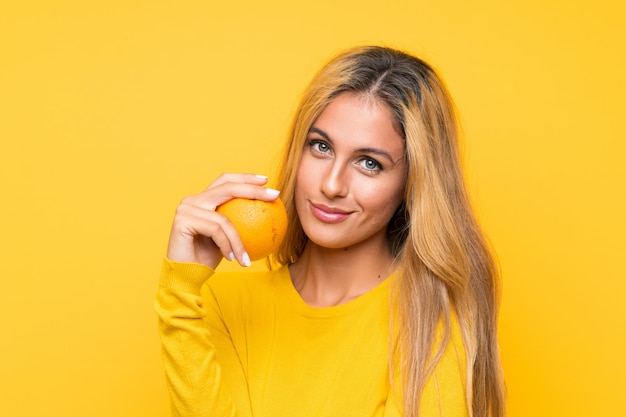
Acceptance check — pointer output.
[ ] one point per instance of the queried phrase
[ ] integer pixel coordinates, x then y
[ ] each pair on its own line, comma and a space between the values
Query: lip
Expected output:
329, 214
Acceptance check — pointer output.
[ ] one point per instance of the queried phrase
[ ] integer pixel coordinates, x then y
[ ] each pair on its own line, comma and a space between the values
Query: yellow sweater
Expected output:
247, 345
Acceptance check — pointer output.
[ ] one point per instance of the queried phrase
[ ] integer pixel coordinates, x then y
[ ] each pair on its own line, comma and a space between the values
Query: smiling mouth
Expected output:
329, 214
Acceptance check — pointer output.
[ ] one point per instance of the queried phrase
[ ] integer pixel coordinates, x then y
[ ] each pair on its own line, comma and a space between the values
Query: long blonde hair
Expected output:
444, 266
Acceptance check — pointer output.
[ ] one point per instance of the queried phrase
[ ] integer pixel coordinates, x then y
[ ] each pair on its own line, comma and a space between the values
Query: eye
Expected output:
319, 146
370, 164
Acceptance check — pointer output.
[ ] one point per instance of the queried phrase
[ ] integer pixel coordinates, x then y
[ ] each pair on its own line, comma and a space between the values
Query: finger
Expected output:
214, 196
192, 222
239, 177
224, 236
191, 238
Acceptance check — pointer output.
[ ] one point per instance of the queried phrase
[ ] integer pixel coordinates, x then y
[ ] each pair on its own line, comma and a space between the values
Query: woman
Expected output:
384, 301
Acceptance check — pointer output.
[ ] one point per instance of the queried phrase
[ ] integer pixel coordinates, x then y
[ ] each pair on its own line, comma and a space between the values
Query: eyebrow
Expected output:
374, 151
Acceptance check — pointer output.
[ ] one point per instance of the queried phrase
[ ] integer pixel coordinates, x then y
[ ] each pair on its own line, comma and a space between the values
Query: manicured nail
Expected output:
262, 177
231, 256
246, 259
272, 191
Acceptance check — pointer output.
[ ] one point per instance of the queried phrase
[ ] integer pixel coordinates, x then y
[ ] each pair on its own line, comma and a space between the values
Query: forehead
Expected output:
360, 120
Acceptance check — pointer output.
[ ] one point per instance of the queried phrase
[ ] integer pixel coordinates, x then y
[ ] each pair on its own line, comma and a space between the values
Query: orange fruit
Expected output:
261, 224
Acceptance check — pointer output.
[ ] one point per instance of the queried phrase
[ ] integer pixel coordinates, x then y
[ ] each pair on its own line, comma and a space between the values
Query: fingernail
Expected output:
231, 256
272, 191
246, 259
263, 177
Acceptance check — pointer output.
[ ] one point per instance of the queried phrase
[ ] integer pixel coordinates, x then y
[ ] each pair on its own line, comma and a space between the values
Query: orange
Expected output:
261, 224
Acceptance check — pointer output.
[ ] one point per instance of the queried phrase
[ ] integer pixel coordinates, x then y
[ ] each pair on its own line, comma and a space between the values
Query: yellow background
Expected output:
111, 112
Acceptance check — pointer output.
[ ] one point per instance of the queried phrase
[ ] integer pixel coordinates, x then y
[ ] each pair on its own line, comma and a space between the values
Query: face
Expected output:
351, 175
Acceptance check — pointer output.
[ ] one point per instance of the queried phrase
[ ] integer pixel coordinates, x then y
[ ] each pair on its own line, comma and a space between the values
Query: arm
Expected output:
199, 239
189, 356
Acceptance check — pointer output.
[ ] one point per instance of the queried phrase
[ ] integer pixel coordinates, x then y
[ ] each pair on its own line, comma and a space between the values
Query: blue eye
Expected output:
370, 164
322, 147
319, 146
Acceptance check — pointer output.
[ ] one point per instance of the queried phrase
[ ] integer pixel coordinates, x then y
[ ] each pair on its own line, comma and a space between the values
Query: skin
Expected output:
201, 235
350, 180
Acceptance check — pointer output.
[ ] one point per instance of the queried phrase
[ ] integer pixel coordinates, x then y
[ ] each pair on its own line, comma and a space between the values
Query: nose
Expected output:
334, 180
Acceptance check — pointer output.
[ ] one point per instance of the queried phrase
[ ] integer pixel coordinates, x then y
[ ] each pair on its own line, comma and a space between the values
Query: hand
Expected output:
201, 235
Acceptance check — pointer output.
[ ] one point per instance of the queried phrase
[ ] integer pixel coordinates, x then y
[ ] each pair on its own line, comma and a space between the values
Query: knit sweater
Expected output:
245, 344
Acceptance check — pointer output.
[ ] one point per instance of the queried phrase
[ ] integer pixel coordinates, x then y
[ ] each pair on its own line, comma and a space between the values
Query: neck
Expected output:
327, 277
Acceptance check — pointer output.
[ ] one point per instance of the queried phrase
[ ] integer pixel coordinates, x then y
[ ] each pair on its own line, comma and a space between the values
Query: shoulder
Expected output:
453, 359
446, 390
456, 342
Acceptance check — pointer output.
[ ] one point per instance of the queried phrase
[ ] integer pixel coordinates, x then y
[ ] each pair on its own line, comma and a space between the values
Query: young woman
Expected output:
383, 298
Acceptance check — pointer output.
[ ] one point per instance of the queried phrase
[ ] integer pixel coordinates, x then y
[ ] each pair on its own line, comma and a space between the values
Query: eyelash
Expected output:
315, 143
378, 166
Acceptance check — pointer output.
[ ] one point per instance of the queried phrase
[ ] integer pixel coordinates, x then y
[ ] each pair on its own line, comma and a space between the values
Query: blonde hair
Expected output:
444, 265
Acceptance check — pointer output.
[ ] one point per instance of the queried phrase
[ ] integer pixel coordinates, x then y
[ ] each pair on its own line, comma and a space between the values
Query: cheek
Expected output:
305, 173
303, 179
300, 176
383, 195
383, 200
